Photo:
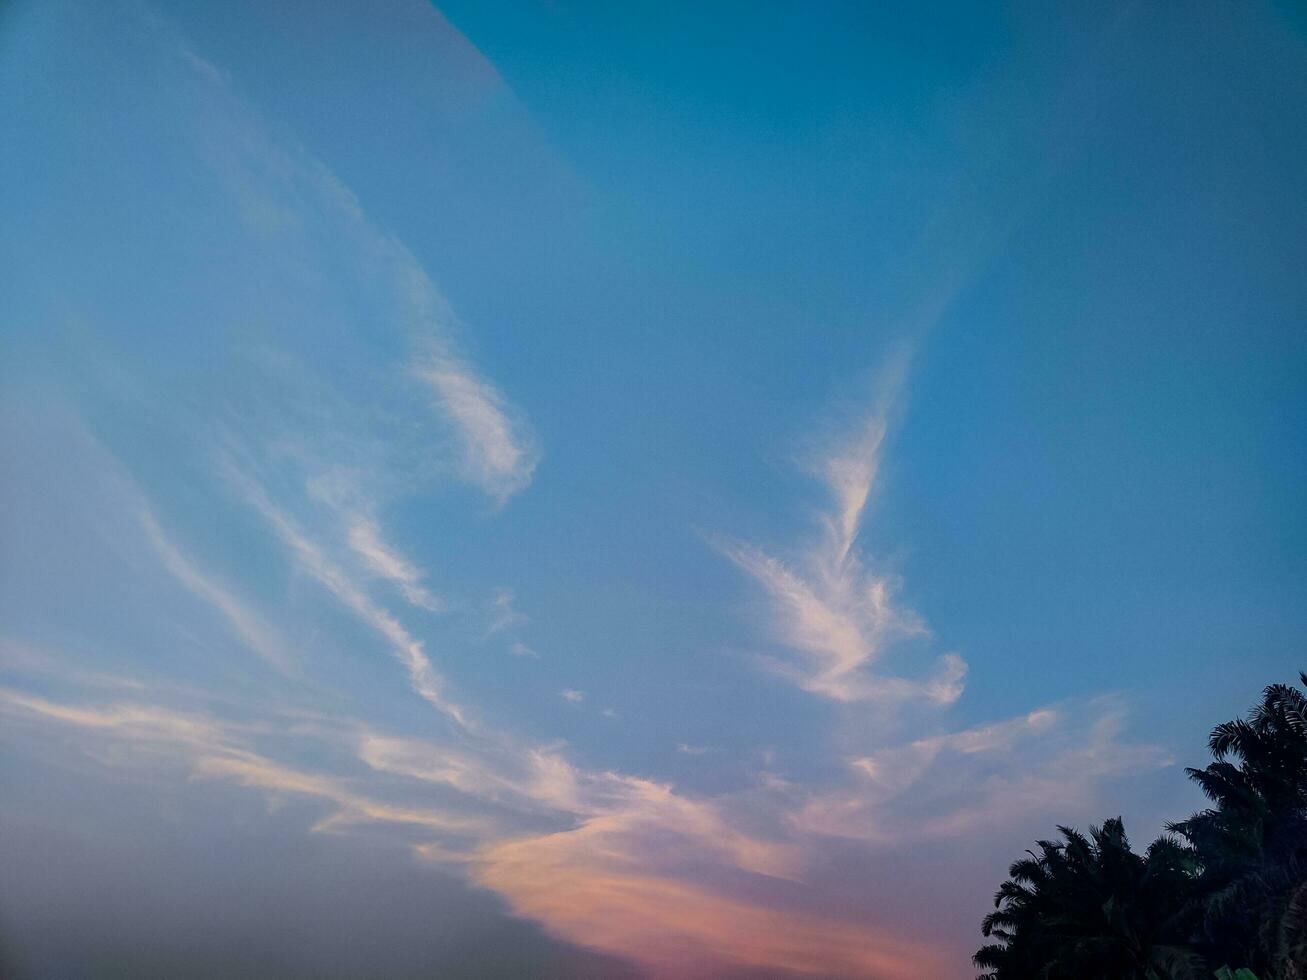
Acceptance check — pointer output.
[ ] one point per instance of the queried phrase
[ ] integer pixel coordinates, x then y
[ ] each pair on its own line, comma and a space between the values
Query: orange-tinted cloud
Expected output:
587, 888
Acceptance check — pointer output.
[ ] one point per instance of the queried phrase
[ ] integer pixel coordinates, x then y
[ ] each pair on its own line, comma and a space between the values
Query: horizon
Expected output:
561, 489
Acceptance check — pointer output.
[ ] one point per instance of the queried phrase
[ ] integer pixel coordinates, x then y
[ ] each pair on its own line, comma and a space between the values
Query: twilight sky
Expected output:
558, 489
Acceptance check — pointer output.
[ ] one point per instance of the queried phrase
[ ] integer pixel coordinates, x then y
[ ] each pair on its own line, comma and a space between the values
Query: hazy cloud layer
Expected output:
608, 860
306, 652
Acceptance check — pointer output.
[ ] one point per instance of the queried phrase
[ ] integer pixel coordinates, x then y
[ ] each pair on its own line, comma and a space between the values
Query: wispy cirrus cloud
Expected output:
649, 873
627, 864
135, 722
292, 200
503, 614
365, 538
497, 452
312, 558
646, 873
488, 772
835, 615
576, 885
349, 807
630, 865
210, 747
127, 520
683, 883
666, 880
257, 635
975, 781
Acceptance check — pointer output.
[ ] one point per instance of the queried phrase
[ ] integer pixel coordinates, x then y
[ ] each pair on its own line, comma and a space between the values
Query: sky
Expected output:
560, 489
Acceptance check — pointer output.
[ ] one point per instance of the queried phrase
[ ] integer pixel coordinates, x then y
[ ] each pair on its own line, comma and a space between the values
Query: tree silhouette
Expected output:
1251, 845
1223, 894
1091, 907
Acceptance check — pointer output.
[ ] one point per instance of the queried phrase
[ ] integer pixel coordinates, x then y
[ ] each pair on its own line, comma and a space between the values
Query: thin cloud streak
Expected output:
497, 454
637, 841
129, 514
215, 749
364, 536
503, 615
256, 772
644, 871
280, 186
256, 634
309, 557
976, 781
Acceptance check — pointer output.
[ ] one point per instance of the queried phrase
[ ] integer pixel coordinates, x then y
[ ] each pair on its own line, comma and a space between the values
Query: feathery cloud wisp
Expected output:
976, 780
497, 453
213, 748
365, 539
256, 634
281, 189
407, 649
503, 615
836, 615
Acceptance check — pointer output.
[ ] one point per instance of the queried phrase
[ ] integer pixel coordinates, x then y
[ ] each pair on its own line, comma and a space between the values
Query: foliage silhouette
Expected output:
1222, 894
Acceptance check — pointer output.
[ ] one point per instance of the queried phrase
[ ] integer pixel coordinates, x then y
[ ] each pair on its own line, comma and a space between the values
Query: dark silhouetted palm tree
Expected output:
1089, 907
1251, 845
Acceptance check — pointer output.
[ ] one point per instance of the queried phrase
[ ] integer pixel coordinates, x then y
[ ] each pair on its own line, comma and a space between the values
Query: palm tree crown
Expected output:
1223, 894
1251, 844
1090, 907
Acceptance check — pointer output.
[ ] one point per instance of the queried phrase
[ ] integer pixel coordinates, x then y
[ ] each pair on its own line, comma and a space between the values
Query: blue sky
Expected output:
587, 490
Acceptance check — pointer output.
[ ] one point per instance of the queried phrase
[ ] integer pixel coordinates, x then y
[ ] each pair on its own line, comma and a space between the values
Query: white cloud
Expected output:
637, 843
212, 748
836, 615
976, 781
838, 620
124, 513
660, 878
248, 625
503, 615
497, 453
249, 769
145, 723
576, 697
586, 890
309, 557
283, 192
644, 871
365, 539
489, 773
